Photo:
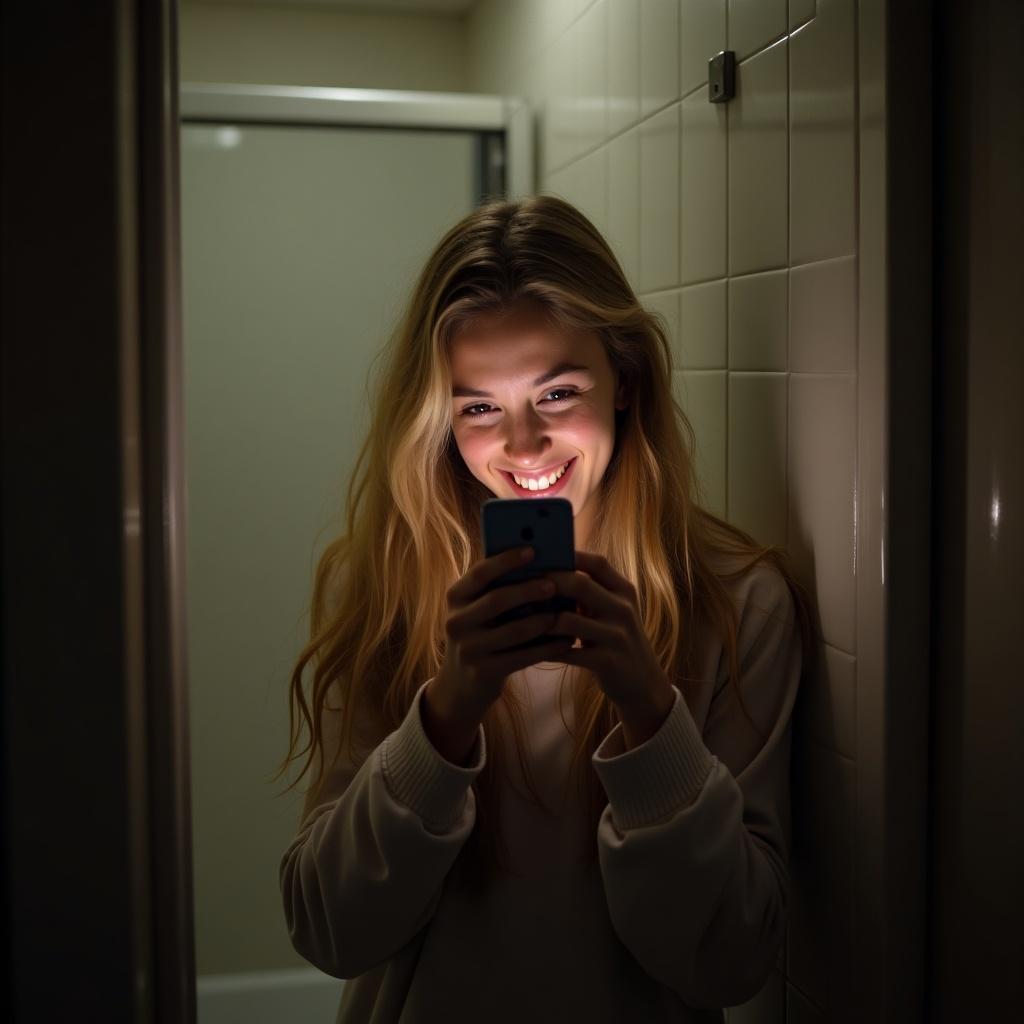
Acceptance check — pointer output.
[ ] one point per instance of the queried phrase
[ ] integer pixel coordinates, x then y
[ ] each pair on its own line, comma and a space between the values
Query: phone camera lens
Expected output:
527, 533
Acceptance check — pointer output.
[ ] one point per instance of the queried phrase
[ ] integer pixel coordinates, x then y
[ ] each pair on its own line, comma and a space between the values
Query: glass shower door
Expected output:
300, 245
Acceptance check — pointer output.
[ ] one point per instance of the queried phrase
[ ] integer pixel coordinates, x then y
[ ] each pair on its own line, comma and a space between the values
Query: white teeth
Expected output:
540, 484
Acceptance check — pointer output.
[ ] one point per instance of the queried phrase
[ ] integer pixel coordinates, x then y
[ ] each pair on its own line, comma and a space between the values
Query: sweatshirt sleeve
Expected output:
694, 842
365, 872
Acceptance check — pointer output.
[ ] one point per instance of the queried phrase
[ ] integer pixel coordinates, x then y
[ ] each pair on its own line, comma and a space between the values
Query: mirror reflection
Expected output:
398, 309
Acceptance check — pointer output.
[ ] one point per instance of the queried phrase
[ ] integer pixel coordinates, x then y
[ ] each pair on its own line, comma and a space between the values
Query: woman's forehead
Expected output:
520, 343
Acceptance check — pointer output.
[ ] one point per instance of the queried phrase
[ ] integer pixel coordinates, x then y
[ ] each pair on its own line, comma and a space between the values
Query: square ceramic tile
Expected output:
557, 148
800, 1010
758, 324
529, 81
624, 203
667, 305
553, 16
753, 24
584, 183
758, 193
757, 455
557, 183
822, 134
767, 1007
823, 316
822, 481
623, 64
702, 395
701, 36
659, 200
800, 11
659, 54
702, 319
702, 189
822, 875
827, 703
591, 125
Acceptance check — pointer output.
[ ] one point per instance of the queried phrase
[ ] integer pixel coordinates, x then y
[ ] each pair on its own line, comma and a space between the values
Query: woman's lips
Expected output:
545, 492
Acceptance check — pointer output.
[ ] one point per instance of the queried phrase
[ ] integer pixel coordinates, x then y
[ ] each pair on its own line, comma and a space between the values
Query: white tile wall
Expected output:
659, 54
737, 224
702, 325
701, 36
758, 164
758, 315
623, 18
757, 454
801, 11
591, 95
702, 394
822, 466
666, 304
703, 180
753, 24
624, 202
822, 134
659, 200
823, 316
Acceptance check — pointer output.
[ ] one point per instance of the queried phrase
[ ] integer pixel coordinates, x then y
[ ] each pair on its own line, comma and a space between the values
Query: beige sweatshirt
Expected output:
683, 914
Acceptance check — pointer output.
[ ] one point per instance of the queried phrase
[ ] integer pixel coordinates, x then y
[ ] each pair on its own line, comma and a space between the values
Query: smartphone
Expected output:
546, 525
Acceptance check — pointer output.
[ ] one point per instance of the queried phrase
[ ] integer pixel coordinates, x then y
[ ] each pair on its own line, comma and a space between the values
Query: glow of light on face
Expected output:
994, 517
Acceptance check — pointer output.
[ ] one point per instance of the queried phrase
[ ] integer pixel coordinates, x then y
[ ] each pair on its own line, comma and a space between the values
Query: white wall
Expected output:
737, 222
295, 45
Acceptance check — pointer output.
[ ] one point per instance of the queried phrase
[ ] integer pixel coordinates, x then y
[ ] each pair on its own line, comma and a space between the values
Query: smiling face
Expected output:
513, 416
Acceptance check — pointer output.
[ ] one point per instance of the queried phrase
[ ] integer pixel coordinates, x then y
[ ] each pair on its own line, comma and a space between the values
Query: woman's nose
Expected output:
526, 440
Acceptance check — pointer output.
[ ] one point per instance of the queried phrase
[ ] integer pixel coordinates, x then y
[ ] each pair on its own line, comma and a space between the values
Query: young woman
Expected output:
592, 830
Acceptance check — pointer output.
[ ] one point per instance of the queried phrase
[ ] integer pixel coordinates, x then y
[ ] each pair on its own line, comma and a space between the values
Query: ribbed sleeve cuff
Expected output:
419, 777
661, 776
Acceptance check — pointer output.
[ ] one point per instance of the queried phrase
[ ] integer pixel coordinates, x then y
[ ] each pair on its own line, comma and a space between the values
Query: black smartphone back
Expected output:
545, 524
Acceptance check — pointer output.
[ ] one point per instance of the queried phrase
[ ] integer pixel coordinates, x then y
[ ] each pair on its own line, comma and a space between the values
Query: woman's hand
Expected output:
614, 645
477, 658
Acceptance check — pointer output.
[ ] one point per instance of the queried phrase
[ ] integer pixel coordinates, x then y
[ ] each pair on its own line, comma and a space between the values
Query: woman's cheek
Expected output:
473, 452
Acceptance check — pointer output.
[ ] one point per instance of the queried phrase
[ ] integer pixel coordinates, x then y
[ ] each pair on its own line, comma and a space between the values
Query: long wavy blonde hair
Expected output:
379, 601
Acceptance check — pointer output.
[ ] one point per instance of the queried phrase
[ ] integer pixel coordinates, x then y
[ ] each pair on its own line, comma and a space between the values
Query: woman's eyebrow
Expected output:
542, 379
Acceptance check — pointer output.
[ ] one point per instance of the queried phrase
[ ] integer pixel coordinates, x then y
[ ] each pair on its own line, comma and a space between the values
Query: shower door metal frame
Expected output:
503, 122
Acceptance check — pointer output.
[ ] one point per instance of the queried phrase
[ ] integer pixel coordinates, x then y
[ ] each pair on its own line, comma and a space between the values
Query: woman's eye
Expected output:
561, 391
468, 411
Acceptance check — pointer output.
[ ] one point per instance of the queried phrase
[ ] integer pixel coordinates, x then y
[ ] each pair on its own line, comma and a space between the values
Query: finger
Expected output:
483, 572
491, 640
583, 656
596, 598
501, 665
491, 604
593, 632
600, 569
